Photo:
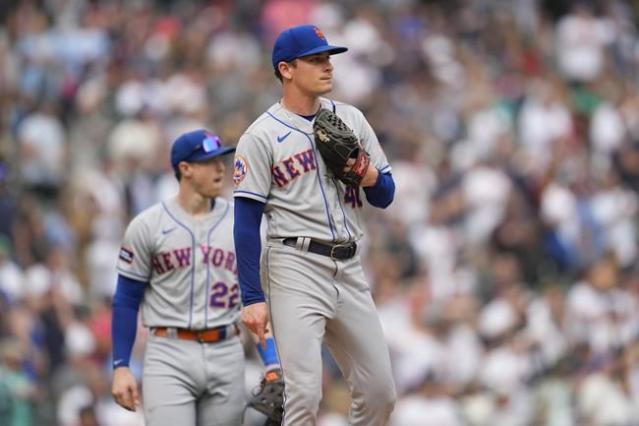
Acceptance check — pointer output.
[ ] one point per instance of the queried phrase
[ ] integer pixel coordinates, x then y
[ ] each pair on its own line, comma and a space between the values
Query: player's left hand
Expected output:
255, 318
125, 389
370, 177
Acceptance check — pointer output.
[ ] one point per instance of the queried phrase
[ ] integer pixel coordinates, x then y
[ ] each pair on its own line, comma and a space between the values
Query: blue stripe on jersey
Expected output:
207, 287
250, 193
339, 202
192, 260
385, 169
308, 136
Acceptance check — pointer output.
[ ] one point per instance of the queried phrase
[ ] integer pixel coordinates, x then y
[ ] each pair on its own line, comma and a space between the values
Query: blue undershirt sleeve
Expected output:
381, 194
124, 321
248, 247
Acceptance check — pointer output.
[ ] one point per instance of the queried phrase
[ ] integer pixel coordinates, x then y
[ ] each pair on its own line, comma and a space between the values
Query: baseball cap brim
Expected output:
332, 50
203, 156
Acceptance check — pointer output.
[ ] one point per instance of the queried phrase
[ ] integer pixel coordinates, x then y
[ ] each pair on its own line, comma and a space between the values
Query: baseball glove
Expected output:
269, 398
337, 144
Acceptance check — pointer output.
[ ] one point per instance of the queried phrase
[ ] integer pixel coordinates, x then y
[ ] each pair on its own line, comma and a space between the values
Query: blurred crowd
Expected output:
505, 273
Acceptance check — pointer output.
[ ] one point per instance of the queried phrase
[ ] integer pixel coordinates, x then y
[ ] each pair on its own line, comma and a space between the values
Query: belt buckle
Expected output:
199, 336
333, 253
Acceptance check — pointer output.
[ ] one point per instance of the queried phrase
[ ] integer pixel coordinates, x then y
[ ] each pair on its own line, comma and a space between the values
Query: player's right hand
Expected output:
255, 318
125, 389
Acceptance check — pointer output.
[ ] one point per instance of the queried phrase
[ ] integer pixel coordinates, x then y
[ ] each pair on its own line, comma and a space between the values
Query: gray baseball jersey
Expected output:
314, 299
188, 262
276, 163
190, 266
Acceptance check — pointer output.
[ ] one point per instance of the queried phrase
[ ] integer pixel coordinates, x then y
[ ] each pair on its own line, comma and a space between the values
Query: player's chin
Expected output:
214, 190
324, 86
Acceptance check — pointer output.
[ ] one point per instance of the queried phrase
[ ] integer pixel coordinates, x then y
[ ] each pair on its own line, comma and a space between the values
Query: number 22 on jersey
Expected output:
224, 296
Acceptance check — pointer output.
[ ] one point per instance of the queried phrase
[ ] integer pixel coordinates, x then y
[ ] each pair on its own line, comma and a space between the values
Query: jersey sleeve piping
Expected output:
249, 194
288, 125
132, 275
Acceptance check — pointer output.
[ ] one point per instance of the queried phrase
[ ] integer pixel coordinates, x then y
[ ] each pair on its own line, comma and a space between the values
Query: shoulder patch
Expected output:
240, 169
126, 255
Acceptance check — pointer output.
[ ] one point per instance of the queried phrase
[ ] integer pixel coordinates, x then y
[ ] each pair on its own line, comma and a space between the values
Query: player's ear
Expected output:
185, 168
285, 69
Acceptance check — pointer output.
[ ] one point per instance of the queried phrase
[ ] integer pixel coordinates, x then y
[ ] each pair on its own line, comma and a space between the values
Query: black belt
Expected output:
339, 251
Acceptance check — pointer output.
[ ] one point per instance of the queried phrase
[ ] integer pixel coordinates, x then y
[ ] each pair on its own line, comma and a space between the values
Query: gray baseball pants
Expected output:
190, 383
315, 299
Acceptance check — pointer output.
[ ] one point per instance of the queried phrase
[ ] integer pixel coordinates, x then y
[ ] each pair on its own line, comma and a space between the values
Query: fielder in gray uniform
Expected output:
178, 260
310, 267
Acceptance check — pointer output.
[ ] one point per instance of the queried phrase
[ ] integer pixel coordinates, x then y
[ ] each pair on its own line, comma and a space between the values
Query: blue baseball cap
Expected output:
196, 146
302, 40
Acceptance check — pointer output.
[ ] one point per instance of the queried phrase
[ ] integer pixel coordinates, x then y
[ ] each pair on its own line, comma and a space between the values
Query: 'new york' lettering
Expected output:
167, 261
292, 167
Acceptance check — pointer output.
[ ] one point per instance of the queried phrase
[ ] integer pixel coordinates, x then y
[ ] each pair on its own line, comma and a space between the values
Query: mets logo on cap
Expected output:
319, 33
240, 169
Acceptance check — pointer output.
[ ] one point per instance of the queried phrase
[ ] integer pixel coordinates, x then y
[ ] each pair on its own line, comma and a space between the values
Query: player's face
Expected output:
313, 74
208, 177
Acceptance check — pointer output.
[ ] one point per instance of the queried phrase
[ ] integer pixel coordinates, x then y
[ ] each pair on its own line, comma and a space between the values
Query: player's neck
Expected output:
299, 103
194, 204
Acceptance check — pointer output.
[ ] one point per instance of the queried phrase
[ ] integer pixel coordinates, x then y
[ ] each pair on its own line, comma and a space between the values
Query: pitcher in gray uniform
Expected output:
310, 267
178, 260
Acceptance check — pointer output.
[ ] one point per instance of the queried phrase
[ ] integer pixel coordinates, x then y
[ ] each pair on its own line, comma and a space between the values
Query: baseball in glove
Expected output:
269, 398
339, 148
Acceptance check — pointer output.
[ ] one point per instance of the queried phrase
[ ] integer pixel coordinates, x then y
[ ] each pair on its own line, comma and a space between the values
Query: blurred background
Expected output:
505, 273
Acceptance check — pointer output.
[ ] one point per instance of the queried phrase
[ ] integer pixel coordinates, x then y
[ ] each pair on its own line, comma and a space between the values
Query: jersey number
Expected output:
223, 296
351, 195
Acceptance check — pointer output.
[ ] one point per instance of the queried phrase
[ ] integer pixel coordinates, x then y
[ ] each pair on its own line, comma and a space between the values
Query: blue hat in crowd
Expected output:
302, 40
196, 146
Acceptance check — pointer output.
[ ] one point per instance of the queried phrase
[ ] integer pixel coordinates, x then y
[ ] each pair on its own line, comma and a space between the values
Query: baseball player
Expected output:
310, 268
178, 261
